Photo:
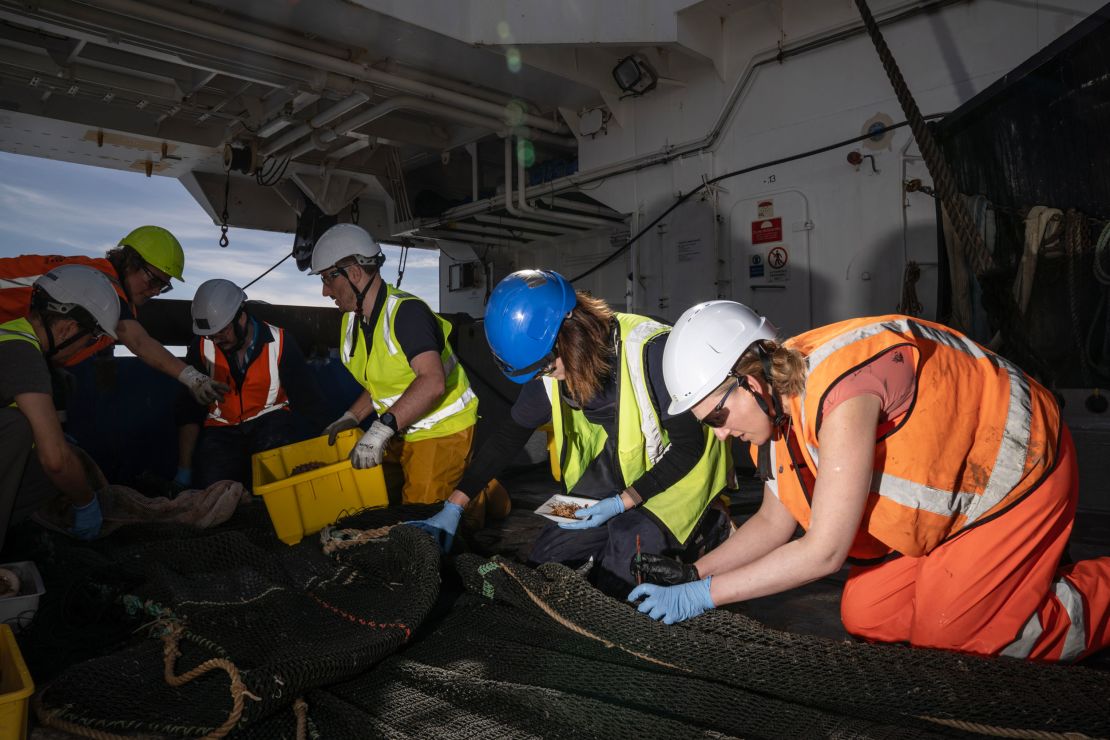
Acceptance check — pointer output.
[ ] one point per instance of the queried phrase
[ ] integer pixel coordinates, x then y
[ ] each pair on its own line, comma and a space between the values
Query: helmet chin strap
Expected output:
360, 295
53, 349
240, 332
778, 417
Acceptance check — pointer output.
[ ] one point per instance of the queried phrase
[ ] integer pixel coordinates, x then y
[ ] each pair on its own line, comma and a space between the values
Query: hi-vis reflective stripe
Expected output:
1075, 642
649, 420
391, 303
349, 339
773, 483
273, 357
18, 282
24, 334
1012, 452
459, 404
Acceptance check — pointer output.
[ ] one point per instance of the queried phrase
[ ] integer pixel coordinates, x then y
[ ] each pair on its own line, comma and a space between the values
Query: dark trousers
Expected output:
24, 486
613, 545
224, 453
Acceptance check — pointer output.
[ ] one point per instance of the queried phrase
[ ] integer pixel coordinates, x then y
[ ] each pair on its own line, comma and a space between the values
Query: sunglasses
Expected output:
154, 281
719, 414
327, 277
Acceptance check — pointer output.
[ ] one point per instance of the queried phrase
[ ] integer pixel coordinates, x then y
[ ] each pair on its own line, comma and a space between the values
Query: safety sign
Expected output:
766, 231
777, 258
755, 266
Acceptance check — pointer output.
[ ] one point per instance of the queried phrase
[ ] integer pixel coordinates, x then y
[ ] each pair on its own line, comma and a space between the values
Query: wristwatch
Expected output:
389, 420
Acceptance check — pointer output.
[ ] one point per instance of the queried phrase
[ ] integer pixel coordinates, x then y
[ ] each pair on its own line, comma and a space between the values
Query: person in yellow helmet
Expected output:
140, 267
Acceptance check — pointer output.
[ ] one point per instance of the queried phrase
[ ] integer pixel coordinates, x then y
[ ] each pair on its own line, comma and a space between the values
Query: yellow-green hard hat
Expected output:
159, 248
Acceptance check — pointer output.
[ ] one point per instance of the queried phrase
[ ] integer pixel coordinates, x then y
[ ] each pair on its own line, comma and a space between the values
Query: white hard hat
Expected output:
70, 286
215, 304
342, 241
704, 345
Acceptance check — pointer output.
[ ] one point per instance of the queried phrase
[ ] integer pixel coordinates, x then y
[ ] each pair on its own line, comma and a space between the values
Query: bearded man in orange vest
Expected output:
939, 470
267, 378
140, 268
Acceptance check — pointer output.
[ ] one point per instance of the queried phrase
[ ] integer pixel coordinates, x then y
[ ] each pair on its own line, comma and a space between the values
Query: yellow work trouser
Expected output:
433, 467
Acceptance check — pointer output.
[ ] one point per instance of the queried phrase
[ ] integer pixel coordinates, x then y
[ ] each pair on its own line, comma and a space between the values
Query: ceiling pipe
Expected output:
318, 61
559, 218
67, 18
408, 102
320, 120
394, 67
775, 55
514, 210
533, 226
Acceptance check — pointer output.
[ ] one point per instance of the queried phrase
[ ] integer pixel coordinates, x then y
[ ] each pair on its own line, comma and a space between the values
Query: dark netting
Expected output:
267, 621
542, 654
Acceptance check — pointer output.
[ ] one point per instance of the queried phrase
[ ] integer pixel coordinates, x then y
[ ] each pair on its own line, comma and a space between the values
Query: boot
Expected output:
492, 501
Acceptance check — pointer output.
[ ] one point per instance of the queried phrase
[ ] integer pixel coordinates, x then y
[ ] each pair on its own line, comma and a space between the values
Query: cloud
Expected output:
51, 207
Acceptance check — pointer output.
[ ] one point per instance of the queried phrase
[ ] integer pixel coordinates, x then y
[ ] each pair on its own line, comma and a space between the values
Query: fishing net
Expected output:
539, 653
363, 641
233, 625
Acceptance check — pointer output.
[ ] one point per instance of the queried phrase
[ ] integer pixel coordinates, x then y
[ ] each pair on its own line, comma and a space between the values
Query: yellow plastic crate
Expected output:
307, 502
16, 688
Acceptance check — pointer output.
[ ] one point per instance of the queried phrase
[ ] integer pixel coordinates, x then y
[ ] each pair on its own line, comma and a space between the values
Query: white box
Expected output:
18, 611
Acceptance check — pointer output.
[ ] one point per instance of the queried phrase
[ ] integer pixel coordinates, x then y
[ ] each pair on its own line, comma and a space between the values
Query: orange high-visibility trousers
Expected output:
995, 589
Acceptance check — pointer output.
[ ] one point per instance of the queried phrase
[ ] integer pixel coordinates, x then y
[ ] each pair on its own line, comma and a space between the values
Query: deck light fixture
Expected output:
635, 75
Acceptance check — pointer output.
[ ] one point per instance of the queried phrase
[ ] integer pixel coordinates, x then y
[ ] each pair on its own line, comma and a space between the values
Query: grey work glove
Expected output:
370, 450
342, 424
205, 390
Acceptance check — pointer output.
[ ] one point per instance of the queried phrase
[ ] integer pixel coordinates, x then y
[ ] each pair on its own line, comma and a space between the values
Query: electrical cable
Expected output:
272, 268
782, 160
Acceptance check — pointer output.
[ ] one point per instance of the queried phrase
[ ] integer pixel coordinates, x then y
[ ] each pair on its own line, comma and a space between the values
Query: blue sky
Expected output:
52, 207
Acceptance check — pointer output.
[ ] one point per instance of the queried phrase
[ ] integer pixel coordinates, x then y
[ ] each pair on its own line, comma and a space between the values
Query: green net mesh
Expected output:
366, 642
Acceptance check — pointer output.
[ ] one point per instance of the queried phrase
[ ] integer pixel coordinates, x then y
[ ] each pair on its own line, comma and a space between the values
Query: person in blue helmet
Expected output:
596, 376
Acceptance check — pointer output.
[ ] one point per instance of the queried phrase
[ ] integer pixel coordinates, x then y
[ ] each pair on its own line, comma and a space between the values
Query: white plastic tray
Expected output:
559, 498
18, 611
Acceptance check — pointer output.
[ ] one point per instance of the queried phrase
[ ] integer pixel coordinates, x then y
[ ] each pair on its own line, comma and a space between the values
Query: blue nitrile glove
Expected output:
184, 477
596, 515
674, 603
442, 526
87, 520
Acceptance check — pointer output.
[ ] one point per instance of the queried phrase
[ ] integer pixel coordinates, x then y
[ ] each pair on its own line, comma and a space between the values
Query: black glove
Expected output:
661, 570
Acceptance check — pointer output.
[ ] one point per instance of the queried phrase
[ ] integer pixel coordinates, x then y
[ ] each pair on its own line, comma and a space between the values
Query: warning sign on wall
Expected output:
767, 230
777, 261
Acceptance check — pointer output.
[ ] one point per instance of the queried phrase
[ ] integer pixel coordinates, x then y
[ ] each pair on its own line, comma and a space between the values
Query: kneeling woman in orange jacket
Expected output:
940, 470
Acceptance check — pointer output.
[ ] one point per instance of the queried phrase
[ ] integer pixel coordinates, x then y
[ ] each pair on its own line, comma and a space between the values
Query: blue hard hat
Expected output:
523, 318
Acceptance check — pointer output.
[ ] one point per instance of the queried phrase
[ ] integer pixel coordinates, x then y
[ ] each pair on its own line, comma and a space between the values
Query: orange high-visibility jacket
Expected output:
978, 437
261, 392
18, 275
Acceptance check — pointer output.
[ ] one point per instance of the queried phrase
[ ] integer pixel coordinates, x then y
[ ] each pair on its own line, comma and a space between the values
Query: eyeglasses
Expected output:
719, 414
154, 281
327, 277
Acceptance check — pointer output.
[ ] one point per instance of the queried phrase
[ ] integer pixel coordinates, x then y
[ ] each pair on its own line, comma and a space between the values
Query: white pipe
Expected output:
534, 226
316, 60
710, 139
472, 150
559, 218
394, 67
85, 23
320, 119
408, 102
